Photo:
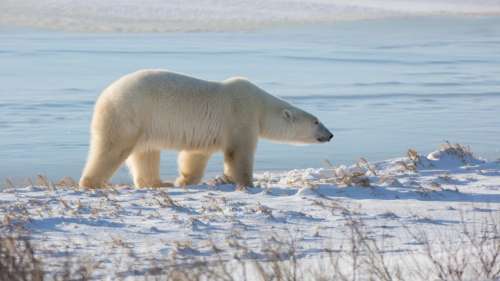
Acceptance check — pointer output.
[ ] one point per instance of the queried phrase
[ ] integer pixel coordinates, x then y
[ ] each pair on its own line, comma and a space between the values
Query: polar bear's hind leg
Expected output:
104, 159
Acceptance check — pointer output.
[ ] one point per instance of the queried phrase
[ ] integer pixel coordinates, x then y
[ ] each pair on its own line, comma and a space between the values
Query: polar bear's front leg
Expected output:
145, 169
192, 166
238, 163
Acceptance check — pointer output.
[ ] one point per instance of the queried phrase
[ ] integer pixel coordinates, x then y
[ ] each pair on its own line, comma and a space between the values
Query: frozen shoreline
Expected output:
217, 15
123, 226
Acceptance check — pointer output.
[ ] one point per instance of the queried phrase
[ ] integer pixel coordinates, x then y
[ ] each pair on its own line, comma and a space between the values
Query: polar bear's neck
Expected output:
272, 125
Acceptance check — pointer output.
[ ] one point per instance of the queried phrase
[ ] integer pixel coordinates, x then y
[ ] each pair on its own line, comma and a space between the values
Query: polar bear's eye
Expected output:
316, 122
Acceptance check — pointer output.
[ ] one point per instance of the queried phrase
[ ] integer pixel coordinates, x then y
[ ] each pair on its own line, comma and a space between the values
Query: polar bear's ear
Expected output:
287, 114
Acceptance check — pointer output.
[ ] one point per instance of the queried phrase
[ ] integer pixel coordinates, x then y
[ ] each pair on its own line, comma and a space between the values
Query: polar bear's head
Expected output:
286, 123
278, 120
303, 127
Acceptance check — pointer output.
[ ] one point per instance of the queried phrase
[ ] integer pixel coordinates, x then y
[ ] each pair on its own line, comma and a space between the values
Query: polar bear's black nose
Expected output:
325, 138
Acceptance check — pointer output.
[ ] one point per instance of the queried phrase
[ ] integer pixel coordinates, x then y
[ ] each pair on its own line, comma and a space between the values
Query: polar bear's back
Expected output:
161, 84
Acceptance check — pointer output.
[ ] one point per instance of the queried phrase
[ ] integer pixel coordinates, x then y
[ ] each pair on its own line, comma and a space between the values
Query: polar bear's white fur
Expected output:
150, 110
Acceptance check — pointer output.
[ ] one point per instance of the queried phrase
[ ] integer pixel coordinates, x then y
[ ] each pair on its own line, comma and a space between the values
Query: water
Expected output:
381, 86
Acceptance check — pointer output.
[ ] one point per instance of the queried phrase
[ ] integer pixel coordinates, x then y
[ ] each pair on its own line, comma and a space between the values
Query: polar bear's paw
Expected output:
152, 183
185, 181
90, 183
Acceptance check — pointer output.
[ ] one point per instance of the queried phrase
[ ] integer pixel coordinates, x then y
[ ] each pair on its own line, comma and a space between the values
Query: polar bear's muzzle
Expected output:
323, 134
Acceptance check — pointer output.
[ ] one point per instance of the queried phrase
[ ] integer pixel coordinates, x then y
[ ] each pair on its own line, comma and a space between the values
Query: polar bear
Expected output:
149, 110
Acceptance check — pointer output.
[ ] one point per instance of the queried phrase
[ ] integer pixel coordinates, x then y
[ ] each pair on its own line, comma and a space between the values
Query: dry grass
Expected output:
350, 177
43, 181
363, 163
8, 184
476, 257
18, 261
358, 176
358, 257
461, 151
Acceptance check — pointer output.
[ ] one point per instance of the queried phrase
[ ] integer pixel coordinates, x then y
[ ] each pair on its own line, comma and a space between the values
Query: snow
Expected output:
124, 226
217, 15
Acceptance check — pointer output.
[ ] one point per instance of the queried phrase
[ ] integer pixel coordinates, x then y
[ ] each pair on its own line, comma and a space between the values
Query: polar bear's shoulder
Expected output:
242, 85
240, 82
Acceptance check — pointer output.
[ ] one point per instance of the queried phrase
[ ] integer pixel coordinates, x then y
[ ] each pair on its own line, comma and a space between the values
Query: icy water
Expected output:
381, 86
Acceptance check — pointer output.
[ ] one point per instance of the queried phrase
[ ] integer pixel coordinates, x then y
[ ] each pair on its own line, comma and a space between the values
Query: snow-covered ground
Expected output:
126, 230
217, 15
